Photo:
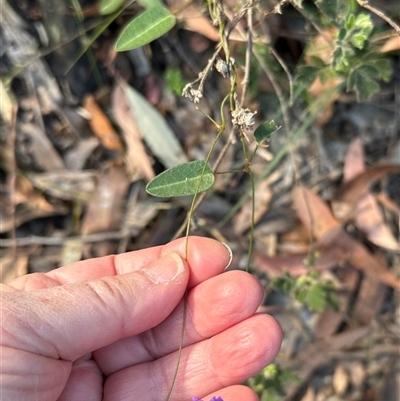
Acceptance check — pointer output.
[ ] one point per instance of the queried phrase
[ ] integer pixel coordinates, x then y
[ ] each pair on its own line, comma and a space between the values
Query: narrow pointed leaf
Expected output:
182, 180
109, 6
145, 28
265, 130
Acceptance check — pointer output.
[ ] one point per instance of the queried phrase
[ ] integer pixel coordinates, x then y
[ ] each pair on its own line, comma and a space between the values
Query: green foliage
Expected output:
182, 180
308, 290
334, 10
352, 36
352, 58
265, 130
145, 28
271, 383
109, 6
174, 80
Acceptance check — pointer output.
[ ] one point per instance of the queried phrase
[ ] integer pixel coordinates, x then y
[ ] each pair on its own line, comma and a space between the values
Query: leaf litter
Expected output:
132, 127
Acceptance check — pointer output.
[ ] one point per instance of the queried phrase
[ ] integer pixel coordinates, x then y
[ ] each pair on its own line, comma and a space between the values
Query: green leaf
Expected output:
265, 130
364, 23
109, 6
350, 22
361, 80
316, 298
335, 10
157, 134
150, 3
383, 67
358, 40
145, 28
307, 74
182, 180
175, 82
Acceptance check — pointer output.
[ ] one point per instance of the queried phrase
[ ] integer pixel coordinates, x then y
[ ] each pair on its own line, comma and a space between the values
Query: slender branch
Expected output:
365, 4
249, 48
288, 74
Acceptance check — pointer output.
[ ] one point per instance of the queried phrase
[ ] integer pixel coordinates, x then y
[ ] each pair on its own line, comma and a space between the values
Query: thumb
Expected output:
69, 321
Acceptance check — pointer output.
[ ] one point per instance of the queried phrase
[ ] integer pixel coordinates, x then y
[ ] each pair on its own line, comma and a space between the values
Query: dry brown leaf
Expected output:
369, 219
388, 204
356, 188
320, 46
29, 204
340, 380
391, 44
40, 148
137, 159
359, 256
194, 20
263, 195
101, 125
313, 212
319, 353
353, 160
367, 215
12, 266
276, 266
369, 301
316, 216
105, 210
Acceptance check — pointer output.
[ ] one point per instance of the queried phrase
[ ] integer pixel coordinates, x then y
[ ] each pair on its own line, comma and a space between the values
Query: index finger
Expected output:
206, 258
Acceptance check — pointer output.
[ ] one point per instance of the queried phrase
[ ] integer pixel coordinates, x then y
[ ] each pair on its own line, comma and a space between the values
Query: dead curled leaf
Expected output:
356, 188
105, 210
367, 215
318, 219
101, 125
136, 156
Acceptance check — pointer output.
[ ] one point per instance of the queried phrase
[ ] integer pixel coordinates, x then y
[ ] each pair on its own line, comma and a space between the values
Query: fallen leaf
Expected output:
276, 266
29, 204
367, 215
136, 157
356, 188
313, 212
340, 380
319, 353
105, 209
354, 160
369, 219
318, 219
391, 44
155, 131
359, 256
101, 125
12, 266
369, 300
39, 148
66, 185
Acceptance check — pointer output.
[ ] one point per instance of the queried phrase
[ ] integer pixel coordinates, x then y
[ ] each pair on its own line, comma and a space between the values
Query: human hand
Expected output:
110, 328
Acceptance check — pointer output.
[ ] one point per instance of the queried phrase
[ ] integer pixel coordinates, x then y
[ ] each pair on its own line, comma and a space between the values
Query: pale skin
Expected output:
109, 328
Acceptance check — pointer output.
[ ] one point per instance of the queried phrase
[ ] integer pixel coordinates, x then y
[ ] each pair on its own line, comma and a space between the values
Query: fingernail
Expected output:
165, 269
230, 254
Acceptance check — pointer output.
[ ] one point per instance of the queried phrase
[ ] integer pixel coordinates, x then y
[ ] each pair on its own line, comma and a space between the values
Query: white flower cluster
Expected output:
243, 119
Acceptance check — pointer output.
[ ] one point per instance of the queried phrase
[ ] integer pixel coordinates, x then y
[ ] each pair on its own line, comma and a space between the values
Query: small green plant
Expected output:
353, 57
174, 80
308, 289
270, 384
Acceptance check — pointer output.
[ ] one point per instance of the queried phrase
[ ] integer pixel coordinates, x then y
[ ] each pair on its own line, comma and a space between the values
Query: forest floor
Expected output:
82, 136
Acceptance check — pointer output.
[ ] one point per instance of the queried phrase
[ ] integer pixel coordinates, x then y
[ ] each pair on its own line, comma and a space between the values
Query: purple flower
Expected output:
212, 399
